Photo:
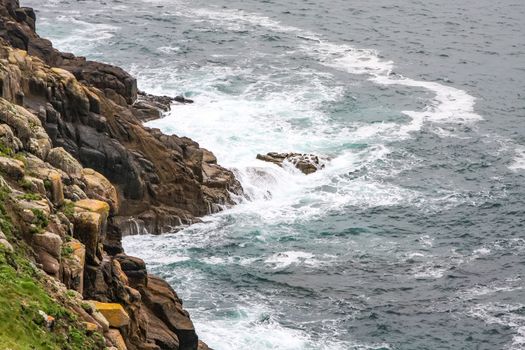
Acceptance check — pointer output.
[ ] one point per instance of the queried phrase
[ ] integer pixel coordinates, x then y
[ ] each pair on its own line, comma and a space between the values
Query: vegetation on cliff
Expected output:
76, 167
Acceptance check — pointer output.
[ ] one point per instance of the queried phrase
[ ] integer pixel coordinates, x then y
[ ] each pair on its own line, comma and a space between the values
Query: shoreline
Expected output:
94, 173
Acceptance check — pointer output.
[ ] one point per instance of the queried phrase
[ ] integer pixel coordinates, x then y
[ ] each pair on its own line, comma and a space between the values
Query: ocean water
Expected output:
411, 237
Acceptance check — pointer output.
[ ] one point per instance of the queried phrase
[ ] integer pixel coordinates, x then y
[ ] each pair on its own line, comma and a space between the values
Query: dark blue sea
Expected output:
412, 237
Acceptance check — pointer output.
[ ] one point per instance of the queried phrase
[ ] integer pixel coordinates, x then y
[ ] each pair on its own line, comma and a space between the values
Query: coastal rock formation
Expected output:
307, 163
95, 112
58, 215
77, 171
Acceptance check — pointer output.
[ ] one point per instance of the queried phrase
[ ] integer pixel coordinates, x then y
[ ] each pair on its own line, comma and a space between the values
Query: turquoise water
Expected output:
411, 237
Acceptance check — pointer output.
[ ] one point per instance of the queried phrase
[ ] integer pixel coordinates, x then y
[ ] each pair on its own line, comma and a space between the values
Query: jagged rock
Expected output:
13, 168
99, 187
114, 313
37, 185
118, 273
52, 180
307, 163
165, 305
29, 208
88, 113
74, 193
8, 139
27, 127
148, 107
203, 346
90, 220
182, 99
101, 320
116, 338
135, 270
88, 227
73, 262
61, 159
164, 181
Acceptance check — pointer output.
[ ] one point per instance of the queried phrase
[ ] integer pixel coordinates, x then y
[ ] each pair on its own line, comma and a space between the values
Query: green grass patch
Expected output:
30, 197
25, 184
41, 219
67, 251
69, 210
6, 151
21, 326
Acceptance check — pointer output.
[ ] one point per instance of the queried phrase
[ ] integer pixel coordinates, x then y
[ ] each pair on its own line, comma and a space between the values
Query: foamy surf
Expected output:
414, 220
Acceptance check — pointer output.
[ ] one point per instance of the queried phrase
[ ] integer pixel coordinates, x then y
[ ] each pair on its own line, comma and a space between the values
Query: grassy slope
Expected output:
23, 294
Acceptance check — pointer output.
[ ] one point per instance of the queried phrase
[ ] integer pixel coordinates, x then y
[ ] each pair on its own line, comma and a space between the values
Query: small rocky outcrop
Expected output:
307, 163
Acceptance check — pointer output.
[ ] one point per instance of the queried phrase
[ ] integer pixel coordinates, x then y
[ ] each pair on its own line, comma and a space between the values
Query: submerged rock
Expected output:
307, 163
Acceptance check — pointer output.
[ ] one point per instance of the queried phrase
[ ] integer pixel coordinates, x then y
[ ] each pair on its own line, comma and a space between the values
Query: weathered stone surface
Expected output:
26, 127
116, 338
114, 313
61, 159
12, 168
307, 163
88, 230
135, 270
52, 181
101, 320
148, 107
164, 304
49, 242
50, 264
47, 247
73, 263
4, 243
99, 187
37, 185
8, 139
90, 327
93, 205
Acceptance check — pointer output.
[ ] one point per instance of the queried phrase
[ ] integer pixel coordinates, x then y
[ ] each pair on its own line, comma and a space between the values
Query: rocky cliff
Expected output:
77, 170
92, 111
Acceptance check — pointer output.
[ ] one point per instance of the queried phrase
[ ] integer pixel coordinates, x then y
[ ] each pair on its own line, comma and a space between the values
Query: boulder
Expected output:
307, 163
49, 242
114, 313
8, 139
47, 247
12, 168
61, 159
99, 187
50, 264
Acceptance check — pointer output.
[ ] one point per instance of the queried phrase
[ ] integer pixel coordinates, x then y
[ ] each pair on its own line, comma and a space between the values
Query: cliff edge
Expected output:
93, 113
77, 171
